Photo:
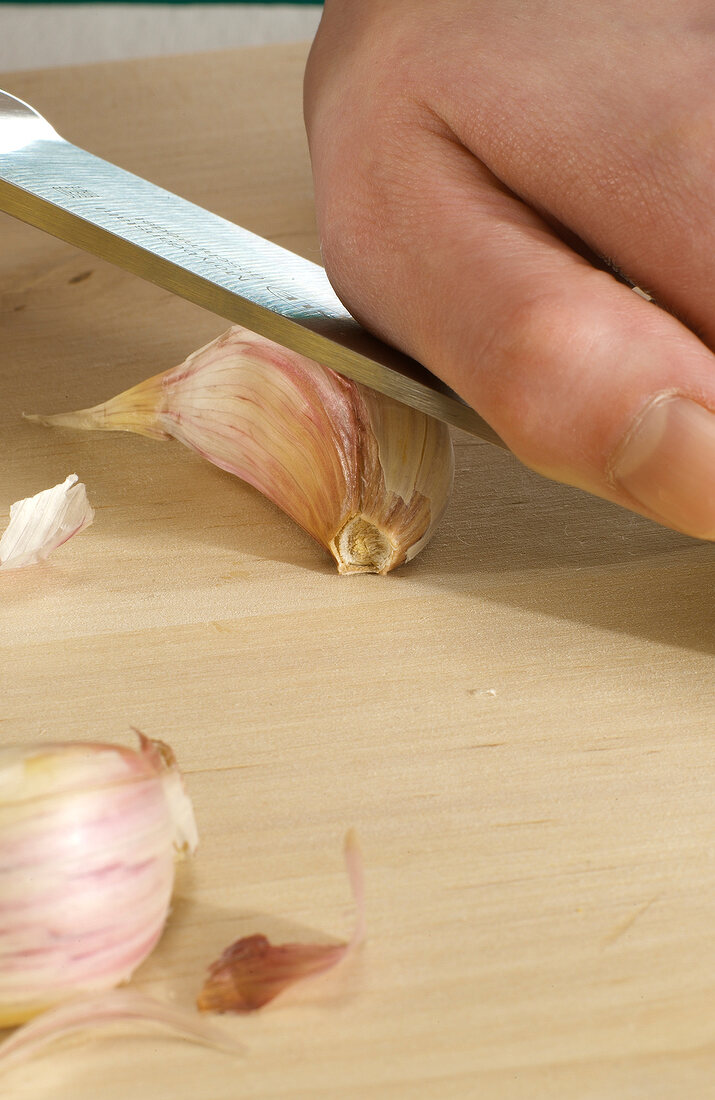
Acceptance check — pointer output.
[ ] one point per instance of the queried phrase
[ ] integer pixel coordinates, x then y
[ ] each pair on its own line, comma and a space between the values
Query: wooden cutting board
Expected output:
520, 724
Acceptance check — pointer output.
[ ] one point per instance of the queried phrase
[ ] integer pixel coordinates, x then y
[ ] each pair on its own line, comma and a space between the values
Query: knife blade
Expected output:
103, 209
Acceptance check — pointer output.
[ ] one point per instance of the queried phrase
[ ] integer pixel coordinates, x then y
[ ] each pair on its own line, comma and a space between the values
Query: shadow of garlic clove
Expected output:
366, 476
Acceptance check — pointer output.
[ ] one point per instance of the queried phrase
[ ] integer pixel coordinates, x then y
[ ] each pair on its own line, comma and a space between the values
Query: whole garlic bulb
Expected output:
89, 834
367, 477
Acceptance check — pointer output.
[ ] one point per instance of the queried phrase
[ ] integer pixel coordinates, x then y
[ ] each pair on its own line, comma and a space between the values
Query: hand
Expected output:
469, 155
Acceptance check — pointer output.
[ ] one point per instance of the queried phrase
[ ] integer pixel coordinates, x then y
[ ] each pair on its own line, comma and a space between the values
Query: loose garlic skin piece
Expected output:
41, 523
366, 476
89, 834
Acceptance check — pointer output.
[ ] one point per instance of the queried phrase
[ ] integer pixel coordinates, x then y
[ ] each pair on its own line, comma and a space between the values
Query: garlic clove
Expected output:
88, 839
39, 524
366, 476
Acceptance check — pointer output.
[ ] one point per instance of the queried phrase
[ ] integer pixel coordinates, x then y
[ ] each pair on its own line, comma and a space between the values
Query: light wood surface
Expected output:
520, 724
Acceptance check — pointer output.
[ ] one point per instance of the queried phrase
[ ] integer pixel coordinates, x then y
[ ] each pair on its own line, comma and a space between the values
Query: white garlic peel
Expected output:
39, 524
89, 834
85, 1014
366, 476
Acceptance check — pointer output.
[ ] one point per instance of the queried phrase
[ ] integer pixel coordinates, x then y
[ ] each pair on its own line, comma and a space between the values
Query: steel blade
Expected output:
153, 233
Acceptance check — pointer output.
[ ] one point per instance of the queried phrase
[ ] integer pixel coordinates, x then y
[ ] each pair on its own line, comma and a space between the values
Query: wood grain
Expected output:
519, 724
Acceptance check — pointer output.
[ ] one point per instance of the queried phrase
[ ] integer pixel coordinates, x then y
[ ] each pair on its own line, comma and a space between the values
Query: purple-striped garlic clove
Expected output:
366, 476
89, 834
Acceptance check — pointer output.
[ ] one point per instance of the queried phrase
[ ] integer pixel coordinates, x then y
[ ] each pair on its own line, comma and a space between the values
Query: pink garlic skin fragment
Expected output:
252, 971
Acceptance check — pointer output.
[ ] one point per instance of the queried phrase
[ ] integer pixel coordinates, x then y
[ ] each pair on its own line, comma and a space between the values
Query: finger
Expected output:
584, 380
630, 171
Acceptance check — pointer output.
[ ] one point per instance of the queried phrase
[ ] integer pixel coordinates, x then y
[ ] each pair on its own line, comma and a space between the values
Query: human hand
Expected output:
464, 153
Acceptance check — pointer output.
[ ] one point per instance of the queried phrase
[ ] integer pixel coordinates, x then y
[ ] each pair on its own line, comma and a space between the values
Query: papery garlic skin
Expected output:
252, 971
89, 834
39, 524
367, 477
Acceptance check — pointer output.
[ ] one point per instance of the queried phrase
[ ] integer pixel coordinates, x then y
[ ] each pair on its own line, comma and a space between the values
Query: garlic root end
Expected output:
361, 547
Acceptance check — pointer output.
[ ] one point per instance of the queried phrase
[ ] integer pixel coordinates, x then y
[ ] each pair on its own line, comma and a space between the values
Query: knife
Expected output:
88, 202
